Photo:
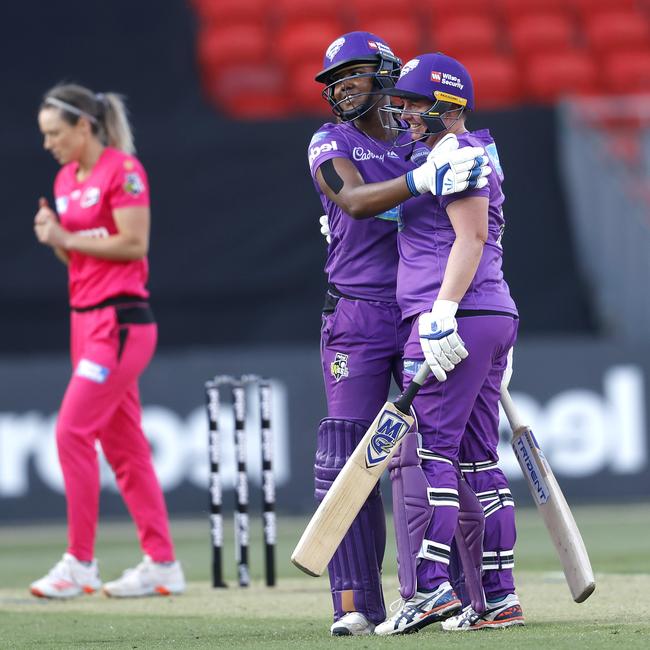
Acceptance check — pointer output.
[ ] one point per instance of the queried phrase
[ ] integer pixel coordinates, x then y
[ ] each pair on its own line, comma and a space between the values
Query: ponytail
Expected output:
116, 122
106, 113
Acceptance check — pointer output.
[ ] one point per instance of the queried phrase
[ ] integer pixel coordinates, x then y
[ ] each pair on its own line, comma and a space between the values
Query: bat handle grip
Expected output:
510, 410
404, 401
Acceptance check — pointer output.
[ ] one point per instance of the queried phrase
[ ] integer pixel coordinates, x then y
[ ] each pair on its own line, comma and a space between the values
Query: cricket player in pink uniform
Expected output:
102, 234
450, 288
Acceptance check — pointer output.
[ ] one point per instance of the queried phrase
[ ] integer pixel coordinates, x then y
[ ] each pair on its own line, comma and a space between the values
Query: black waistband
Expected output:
465, 313
115, 301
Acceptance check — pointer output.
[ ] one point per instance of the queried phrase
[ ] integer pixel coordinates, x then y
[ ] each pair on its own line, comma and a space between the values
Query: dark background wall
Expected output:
235, 245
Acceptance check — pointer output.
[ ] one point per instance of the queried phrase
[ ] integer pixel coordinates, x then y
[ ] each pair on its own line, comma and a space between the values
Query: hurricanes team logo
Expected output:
389, 431
408, 66
339, 366
334, 48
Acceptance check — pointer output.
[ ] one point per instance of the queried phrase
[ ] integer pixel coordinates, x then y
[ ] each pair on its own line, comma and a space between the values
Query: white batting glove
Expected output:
507, 373
449, 170
325, 228
442, 346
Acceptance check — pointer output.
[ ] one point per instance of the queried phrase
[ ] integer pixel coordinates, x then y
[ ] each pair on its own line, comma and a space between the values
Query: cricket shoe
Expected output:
67, 579
421, 610
149, 578
498, 614
352, 624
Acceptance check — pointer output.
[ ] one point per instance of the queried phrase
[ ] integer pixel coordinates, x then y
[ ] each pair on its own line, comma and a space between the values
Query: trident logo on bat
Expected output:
389, 431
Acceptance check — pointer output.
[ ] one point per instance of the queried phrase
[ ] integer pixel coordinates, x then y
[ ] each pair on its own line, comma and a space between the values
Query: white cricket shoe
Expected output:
149, 578
421, 610
67, 579
502, 613
352, 624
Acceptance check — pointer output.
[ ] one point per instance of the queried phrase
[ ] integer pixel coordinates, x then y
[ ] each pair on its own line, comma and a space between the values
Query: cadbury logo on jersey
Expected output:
326, 147
360, 154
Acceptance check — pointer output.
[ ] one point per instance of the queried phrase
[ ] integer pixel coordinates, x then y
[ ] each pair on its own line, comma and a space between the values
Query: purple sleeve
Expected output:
450, 198
326, 144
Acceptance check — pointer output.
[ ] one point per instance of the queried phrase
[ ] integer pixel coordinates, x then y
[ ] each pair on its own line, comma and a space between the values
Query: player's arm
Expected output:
447, 170
130, 242
438, 330
341, 182
469, 218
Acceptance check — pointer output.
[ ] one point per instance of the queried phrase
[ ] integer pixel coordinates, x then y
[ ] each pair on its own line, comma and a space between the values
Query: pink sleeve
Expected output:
130, 186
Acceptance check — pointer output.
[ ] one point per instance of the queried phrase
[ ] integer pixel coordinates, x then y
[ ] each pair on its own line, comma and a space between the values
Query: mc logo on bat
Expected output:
389, 431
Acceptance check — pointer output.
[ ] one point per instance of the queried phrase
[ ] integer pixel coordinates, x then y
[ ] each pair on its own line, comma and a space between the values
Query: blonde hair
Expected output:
106, 112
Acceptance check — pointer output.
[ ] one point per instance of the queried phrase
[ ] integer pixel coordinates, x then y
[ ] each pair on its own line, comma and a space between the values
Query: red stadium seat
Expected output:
402, 34
513, 9
226, 12
241, 43
255, 106
586, 7
362, 11
466, 35
549, 76
627, 72
442, 11
496, 81
306, 94
531, 33
617, 30
287, 11
248, 91
305, 39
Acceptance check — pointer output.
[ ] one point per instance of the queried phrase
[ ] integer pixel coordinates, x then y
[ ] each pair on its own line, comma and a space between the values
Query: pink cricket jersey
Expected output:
117, 180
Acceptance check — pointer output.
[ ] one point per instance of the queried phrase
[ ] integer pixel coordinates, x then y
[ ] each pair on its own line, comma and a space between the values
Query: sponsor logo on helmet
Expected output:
334, 48
447, 79
382, 48
408, 66
448, 97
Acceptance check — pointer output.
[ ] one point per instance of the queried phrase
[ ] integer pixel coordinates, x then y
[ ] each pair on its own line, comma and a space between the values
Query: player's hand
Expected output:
325, 228
449, 170
442, 346
47, 228
507, 373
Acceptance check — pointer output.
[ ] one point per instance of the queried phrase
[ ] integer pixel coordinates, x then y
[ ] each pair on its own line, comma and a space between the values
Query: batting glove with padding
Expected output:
449, 170
442, 346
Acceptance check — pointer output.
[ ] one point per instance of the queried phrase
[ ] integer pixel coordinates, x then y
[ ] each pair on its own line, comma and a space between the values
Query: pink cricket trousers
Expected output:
110, 347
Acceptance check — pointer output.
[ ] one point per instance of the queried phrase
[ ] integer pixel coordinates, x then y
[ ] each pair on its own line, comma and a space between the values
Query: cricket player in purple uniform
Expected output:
363, 334
451, 290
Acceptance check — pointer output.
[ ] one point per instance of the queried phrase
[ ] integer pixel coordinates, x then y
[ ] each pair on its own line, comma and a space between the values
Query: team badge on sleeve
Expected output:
133, 184
339, 366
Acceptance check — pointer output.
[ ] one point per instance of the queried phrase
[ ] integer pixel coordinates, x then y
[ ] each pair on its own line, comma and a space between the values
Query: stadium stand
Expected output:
534, 51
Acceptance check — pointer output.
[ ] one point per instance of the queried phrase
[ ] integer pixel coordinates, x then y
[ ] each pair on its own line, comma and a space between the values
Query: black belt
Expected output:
464, 313
332, 296
130, 310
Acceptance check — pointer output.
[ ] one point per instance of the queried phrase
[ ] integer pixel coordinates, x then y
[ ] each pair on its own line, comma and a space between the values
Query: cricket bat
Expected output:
551, 504
355, 481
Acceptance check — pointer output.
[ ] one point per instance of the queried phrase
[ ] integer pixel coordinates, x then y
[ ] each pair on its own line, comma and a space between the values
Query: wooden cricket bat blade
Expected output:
555, 513
350, 489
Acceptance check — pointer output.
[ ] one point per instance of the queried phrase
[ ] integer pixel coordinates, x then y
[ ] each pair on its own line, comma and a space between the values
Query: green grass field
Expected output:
296, 613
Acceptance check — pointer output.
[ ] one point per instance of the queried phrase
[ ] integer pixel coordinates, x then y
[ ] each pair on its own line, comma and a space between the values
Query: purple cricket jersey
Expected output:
362, 258
426, 237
